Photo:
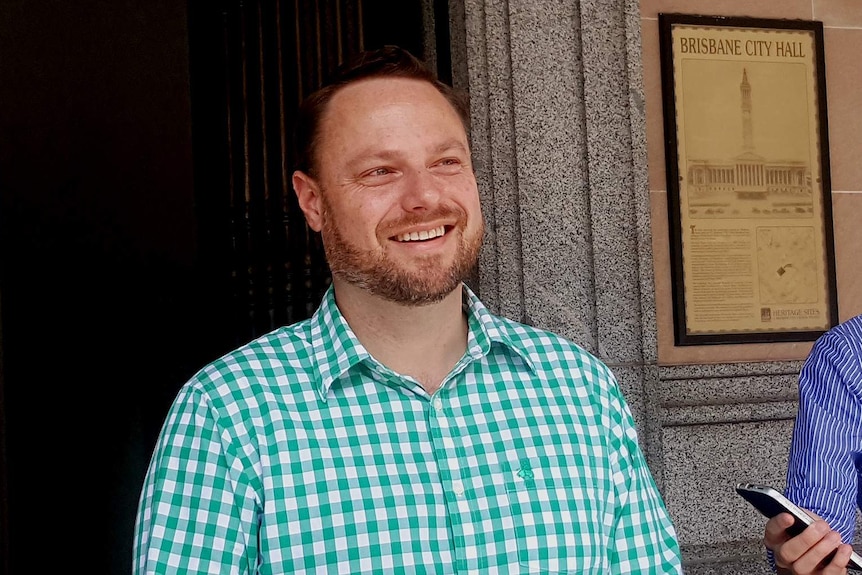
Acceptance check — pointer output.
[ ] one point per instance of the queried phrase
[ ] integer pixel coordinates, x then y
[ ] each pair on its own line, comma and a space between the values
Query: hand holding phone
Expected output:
771, 502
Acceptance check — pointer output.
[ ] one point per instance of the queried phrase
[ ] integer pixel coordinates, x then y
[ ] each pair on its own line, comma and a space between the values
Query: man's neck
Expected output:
424, 342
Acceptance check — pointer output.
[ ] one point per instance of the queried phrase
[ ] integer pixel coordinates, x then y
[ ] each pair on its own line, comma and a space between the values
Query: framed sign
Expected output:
749, 193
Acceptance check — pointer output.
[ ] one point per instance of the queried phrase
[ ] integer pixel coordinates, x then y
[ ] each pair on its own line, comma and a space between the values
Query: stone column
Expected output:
559, 143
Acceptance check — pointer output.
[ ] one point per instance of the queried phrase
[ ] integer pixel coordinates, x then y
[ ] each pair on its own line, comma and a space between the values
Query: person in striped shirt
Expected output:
823, 474
403, 428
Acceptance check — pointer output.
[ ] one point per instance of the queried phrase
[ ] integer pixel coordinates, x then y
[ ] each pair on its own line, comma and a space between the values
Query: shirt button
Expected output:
458, 488
438, 404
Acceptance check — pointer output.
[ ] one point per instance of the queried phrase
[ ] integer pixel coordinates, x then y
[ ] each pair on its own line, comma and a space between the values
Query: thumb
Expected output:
776, 529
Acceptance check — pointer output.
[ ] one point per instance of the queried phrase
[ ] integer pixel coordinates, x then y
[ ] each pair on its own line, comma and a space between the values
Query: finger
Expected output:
816, 557
791, 549
814, 515
776, 530
838, 565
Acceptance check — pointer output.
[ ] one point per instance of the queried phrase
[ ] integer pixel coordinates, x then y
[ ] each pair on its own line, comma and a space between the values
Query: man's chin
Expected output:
417, 295
402, 290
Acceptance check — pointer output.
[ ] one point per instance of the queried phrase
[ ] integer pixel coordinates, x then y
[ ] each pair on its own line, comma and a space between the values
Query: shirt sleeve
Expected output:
821, 473
198, 512
645, 540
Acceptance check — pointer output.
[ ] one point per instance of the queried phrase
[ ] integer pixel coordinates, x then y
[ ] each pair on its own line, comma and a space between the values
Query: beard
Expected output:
422, 281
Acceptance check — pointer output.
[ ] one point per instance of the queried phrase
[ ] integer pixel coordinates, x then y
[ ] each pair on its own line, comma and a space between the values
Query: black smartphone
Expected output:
770, 502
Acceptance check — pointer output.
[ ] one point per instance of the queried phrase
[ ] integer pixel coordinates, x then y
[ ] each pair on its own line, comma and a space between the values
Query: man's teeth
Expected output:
423, 235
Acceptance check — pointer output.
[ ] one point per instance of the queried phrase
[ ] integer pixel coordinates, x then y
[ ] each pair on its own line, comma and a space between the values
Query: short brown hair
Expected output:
386, 62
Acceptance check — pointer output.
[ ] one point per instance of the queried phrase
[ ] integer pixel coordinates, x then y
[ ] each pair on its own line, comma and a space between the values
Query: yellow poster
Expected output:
750, 196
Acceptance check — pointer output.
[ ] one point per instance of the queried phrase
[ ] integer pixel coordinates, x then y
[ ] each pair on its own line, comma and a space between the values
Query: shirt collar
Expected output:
487, 329
337, 349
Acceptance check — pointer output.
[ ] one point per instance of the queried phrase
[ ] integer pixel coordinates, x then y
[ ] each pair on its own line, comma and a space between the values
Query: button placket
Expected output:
456, 486
447, 444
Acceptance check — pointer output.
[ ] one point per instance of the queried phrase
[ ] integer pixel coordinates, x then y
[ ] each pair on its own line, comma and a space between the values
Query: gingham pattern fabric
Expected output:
300, 453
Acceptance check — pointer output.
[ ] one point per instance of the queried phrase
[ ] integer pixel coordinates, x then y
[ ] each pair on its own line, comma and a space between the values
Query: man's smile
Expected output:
421, 236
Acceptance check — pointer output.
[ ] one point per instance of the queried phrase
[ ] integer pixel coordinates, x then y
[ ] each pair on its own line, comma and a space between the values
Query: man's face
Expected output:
397, 201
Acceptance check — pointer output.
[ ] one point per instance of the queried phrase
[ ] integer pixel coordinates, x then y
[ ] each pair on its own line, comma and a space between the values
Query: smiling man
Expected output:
403, 428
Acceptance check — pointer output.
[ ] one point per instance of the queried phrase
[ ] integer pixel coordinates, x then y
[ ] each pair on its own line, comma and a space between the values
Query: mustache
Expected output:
410, 220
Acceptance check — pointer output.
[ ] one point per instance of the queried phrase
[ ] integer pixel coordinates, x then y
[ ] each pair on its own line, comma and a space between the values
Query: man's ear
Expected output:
310, 201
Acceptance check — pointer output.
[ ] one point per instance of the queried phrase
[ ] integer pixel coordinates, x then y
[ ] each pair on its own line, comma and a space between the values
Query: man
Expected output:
823, 474
403, 428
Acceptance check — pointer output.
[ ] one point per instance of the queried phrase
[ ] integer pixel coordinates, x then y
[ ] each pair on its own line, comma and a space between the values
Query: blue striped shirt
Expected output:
823, 474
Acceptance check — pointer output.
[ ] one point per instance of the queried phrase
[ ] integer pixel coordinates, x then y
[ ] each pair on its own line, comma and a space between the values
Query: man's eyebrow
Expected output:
449, 145
387, 155
371, 155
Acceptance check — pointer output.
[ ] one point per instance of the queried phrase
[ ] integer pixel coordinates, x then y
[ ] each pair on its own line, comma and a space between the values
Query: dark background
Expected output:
111, 295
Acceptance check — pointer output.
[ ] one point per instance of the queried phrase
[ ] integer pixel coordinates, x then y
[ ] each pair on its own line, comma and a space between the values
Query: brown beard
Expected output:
375, 272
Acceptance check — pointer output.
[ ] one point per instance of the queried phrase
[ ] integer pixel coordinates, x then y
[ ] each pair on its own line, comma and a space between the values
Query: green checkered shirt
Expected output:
300, 453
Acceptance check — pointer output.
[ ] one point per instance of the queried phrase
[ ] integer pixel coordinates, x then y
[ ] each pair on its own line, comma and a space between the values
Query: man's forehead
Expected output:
377, 92
376, 101
378, 84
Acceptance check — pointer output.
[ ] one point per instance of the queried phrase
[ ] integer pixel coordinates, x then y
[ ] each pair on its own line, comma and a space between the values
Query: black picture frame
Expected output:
751, 238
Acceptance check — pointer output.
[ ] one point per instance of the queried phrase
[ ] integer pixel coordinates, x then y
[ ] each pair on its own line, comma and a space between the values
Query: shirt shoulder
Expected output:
282, 361
841, 346
539, 347
849, 333
835, 361
555, 355
300, 359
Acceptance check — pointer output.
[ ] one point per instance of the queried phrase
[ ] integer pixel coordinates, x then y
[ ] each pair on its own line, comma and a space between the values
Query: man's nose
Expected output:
421, 191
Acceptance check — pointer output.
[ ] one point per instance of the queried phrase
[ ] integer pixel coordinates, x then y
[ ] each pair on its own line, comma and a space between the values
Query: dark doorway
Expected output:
251, 65
146, 227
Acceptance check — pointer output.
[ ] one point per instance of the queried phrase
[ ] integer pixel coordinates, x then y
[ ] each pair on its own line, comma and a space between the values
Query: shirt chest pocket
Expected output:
558, 521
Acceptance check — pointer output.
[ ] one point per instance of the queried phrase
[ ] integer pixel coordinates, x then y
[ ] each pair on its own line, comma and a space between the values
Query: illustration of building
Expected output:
749, 175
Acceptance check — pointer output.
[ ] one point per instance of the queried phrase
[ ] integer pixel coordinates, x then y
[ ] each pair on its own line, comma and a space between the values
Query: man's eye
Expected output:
377, 176
449, 165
